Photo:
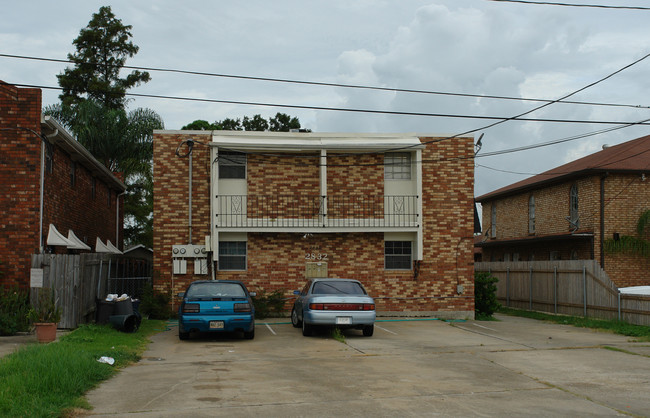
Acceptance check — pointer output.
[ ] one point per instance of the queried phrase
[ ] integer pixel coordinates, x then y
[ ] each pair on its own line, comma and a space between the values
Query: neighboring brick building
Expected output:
79, 194
276, 208
570, 211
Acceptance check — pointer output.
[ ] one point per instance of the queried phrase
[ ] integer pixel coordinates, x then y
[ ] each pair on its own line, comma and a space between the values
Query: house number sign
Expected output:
316, 256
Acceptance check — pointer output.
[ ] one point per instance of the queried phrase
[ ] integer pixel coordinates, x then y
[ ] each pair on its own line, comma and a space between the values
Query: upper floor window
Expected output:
73, 173
574, 217
232, 165
493, 220
49, 158
93, 188
397, 166
531, 214
108, 193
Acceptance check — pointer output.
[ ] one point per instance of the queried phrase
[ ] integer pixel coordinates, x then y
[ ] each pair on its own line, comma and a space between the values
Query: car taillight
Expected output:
242, 307
342, 306
191, 308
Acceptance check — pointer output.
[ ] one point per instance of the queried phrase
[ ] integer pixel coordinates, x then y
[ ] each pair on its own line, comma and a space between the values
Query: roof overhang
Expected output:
58, 135
535, 239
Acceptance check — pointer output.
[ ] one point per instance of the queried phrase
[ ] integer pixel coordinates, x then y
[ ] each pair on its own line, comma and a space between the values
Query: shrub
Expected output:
155, 305
14, 306
269, 304
485, 294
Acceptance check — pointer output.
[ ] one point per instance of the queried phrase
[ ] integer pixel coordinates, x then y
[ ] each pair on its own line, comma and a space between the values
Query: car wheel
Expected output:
368, 330
183, 335
249, 335
306, 328
294, 319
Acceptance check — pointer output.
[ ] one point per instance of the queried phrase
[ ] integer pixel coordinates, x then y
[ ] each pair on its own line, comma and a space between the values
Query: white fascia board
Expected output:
305, 141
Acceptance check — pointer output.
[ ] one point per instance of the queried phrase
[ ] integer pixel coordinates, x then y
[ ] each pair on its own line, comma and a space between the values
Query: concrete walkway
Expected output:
514, 366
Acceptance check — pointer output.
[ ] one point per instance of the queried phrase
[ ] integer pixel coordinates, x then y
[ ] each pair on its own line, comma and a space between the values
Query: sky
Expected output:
470, 47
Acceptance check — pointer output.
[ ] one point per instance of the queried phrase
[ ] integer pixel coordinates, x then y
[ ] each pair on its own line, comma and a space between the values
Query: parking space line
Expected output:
270, 329
384, 329
481, 326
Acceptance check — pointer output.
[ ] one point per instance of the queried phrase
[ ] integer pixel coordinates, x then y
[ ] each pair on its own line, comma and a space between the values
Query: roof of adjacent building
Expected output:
628, 157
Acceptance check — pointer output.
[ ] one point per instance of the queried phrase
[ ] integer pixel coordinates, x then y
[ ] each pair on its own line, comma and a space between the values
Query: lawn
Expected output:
49, 380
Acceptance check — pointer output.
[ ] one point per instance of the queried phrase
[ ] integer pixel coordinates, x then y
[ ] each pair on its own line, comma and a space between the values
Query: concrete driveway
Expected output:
408, 368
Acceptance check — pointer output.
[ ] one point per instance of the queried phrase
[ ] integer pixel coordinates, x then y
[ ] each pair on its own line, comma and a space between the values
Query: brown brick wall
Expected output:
64, 206
276, 261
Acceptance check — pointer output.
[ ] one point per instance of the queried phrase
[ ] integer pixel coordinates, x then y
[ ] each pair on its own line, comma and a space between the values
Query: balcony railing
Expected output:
312, 211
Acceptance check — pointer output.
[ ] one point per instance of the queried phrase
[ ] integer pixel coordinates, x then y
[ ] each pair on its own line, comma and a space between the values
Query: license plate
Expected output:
343, 320
216, 324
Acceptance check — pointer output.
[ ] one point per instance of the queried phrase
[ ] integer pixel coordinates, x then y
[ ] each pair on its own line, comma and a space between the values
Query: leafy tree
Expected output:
485, 297
102, 49
281, 122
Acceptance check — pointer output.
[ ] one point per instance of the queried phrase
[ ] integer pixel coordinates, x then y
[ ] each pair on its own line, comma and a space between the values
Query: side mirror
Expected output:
296, 292
253, 294
181, 295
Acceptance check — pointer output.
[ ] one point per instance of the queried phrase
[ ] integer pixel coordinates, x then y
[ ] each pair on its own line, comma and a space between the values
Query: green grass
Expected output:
618, 327
337, 334
46, 380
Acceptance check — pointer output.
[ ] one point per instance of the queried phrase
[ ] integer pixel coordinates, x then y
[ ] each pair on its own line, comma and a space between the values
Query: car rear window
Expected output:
215, 290
338, 288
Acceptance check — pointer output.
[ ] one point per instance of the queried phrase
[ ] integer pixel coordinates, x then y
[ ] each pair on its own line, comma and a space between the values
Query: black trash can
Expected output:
124, 307
104, 311
125, 323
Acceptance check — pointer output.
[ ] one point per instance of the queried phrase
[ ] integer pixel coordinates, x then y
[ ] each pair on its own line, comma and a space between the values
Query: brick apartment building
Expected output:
273, 208
569, 212
48, 179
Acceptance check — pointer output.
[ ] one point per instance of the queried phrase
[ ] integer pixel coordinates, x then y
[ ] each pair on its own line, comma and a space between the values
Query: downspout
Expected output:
190, 145
602, 220
42, 191
117, 220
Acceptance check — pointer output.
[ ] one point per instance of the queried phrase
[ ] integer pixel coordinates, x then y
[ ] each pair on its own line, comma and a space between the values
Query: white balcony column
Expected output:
418, 182
323, 184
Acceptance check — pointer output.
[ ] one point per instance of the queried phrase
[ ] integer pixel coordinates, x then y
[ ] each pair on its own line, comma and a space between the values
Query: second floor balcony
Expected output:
309, 212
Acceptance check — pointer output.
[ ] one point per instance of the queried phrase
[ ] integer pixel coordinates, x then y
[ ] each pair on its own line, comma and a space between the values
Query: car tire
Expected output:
368, 330
249, 335
294, 318
183, 335
306, 328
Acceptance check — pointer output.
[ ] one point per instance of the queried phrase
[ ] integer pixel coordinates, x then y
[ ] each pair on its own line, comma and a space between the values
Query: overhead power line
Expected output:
338, 85
501, 119
549, 3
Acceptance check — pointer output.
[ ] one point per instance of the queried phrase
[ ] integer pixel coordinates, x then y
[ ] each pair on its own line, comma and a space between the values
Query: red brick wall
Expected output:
64, 206
277, 261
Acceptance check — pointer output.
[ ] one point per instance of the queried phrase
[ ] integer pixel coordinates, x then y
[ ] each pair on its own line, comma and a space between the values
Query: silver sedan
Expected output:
342, 303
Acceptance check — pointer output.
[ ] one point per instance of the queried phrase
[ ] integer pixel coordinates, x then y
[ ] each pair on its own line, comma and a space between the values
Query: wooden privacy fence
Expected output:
576, 287
77, 280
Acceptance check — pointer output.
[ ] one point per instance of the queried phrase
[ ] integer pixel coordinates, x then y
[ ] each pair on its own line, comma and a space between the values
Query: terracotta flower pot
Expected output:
45, 332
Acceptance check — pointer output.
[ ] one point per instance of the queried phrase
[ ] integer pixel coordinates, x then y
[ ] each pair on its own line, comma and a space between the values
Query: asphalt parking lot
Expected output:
422, 367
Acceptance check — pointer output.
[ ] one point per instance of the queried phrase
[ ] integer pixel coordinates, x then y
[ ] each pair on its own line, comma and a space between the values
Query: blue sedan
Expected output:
342, 303
216, 306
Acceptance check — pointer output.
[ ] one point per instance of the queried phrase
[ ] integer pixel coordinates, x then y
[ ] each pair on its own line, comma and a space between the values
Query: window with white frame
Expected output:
397, 255
232, 165
232, 255
574, 217
397, 166
531, 214
493, 220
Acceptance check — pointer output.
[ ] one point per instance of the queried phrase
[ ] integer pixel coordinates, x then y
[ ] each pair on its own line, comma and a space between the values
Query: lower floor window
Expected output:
232, 255
397, 255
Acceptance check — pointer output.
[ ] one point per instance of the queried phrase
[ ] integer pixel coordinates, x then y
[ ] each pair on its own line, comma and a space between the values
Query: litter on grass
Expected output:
107, 360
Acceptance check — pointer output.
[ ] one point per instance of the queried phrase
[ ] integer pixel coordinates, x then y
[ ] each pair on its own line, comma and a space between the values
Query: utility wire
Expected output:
548, 3
341, 85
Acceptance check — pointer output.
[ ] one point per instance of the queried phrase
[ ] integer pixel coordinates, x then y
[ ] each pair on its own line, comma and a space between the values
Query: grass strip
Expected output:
46, 380
618, 327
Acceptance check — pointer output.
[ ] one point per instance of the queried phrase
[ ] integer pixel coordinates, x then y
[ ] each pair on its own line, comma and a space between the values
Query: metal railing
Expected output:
313, 211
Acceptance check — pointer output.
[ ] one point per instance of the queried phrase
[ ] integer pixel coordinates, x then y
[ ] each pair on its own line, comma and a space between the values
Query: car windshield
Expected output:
338, 288
215, 290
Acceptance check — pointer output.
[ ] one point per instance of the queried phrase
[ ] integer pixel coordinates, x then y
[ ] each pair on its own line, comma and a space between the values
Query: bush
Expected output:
485, 295
155, 305
14, 306
271, 304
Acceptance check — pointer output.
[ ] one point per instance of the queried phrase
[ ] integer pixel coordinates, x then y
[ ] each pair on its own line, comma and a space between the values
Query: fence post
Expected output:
530, 289
555, 289
508, 287
584, 289
619, 305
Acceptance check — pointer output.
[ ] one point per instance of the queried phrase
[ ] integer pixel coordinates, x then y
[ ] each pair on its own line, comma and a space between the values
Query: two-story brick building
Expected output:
50, 181
568, 212
271, 209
